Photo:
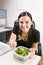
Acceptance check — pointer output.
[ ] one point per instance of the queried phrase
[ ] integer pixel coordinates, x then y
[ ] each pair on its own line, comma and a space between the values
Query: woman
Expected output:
28, 37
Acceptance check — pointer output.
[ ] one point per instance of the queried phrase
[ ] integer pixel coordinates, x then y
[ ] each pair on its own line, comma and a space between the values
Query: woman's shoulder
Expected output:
35, 32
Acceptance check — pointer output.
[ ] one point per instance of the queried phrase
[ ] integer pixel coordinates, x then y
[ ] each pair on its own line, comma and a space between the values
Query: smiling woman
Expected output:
30, 36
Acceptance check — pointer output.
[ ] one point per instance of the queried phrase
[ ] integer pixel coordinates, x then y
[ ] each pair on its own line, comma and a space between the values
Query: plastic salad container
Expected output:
21, 53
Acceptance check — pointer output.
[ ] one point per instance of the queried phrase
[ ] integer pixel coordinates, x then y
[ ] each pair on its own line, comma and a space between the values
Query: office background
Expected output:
14, 7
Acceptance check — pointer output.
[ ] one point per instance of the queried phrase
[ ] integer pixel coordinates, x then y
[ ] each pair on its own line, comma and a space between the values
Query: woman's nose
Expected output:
23, 24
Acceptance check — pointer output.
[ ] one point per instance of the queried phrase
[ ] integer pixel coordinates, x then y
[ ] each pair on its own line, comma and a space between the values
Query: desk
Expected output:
41, 60
5, 33
7, 59
4, 29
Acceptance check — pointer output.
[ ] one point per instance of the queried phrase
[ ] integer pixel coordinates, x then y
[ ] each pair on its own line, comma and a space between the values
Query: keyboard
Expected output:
4, 48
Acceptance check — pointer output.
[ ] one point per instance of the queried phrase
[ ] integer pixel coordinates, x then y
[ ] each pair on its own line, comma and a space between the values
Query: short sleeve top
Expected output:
33, 37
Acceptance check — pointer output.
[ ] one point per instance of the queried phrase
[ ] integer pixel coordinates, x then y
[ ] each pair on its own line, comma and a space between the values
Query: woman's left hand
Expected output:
32, 53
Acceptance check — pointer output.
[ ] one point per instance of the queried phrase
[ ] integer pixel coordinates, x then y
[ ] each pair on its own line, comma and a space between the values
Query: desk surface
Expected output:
9, 60
3, 29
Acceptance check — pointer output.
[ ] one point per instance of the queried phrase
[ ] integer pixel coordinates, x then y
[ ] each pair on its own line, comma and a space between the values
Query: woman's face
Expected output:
25, 23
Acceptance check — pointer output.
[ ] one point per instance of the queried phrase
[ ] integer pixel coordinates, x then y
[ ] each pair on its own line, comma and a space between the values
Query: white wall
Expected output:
35, 7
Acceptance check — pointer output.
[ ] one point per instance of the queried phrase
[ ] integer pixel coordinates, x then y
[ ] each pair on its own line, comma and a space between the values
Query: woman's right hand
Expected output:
12, 40
13, 44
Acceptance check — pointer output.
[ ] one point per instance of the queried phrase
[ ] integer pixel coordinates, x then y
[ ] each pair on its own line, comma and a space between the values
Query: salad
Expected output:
22, 51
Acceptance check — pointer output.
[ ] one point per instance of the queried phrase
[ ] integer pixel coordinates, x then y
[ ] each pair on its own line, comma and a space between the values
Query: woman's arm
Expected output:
12, 40
33, 49
35, 46
36, 39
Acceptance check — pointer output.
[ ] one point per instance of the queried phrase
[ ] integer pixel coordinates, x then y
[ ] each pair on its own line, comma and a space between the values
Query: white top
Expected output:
8, 59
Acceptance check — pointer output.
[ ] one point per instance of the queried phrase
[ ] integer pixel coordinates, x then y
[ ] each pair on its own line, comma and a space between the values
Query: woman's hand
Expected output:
12, 40
32, 53
13, 43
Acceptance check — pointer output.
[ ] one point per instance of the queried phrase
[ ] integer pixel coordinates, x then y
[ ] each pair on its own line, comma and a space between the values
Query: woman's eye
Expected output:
21, 22
27, 22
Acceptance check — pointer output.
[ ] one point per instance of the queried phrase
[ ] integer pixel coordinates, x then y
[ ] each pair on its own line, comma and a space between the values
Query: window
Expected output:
3, 17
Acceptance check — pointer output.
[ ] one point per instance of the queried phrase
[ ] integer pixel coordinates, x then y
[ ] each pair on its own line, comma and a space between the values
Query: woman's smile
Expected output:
25, 23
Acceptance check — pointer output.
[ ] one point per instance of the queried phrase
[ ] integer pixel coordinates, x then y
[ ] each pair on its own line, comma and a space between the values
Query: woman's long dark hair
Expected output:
29, 15
24, 14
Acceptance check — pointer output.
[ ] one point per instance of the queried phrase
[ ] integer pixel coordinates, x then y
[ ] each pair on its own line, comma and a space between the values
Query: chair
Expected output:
39, 44
39, 52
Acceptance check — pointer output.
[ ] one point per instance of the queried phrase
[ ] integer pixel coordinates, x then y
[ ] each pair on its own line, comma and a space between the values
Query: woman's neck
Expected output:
25, 35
